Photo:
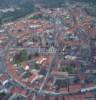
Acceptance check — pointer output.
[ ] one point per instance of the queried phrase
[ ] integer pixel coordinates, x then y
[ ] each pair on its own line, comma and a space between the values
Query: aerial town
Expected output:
50, 56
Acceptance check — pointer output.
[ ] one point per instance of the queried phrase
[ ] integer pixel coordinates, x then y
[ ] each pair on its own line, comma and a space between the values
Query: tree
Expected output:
0, 21
68, 69
23, 55
37, 67
16, 59
36, 54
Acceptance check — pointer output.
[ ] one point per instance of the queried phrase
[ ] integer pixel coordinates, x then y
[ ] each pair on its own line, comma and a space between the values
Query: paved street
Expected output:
2, 65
